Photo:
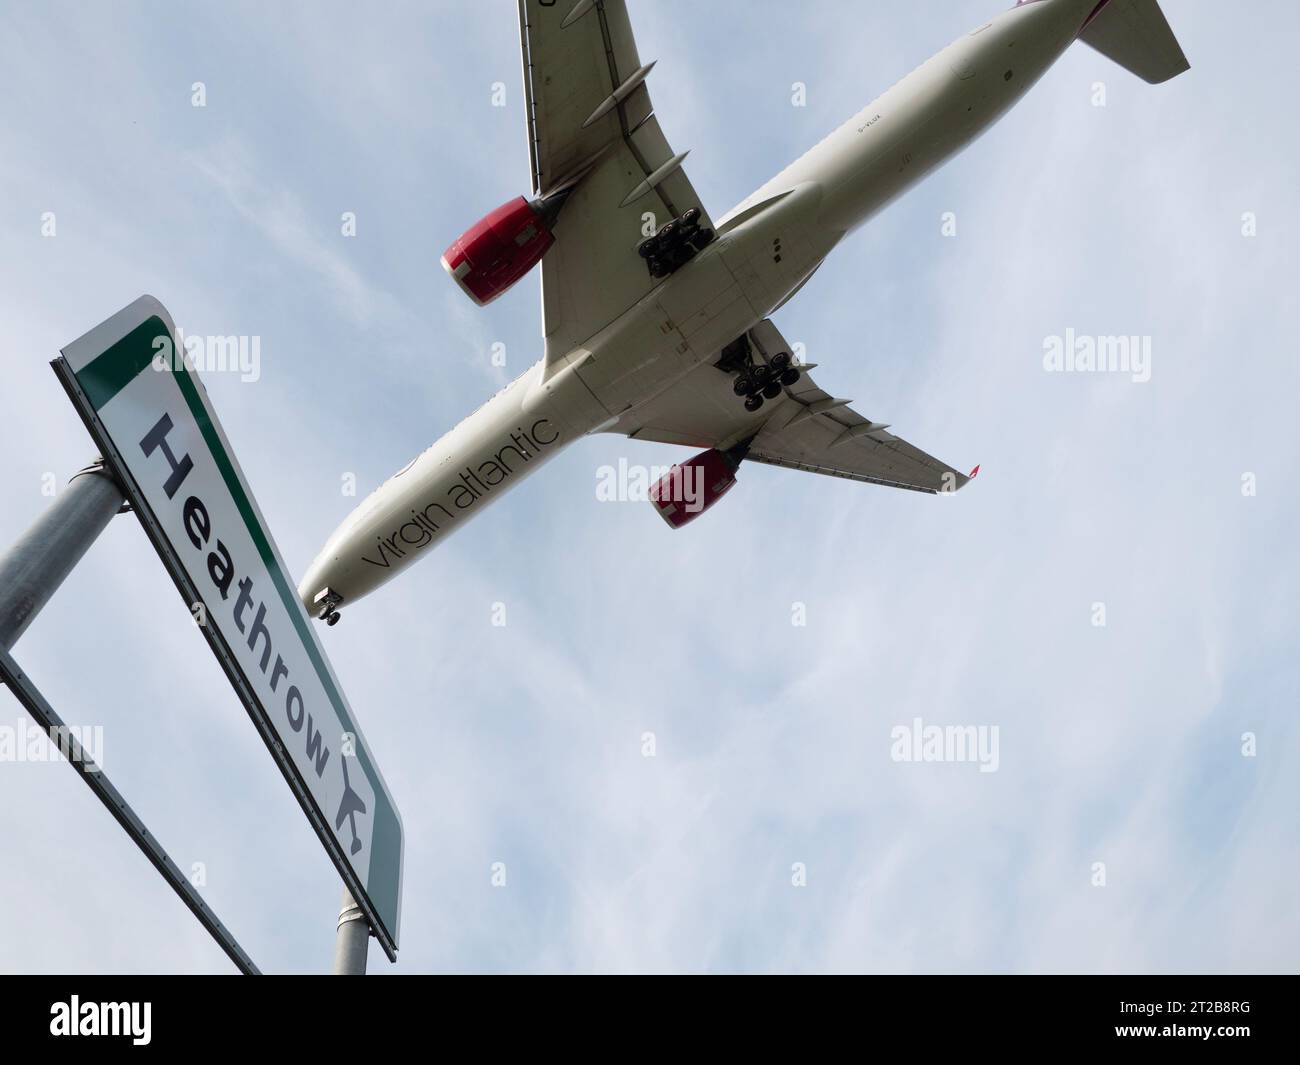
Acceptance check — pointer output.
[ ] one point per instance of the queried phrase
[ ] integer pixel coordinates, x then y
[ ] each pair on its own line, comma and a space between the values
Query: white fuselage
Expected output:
736, 282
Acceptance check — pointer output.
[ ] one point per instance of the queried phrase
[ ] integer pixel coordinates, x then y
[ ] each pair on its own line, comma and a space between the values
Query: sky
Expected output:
680, 752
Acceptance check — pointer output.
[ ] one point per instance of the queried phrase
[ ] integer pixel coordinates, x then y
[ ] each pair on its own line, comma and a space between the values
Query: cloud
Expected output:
281, 219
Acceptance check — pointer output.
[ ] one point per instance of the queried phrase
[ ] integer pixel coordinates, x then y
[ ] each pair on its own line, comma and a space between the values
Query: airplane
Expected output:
349, 806
657, 320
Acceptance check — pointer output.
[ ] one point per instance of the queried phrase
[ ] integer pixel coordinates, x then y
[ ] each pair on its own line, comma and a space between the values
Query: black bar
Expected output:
907, 1018
29, 695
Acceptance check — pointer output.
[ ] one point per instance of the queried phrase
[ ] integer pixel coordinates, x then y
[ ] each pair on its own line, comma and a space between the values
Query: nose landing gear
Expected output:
676, 244
326, 605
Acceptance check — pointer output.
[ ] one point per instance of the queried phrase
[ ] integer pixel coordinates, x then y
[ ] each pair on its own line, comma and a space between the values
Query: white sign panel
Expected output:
148, 410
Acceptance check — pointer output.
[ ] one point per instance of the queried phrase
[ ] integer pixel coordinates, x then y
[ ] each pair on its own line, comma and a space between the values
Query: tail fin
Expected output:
1137, 36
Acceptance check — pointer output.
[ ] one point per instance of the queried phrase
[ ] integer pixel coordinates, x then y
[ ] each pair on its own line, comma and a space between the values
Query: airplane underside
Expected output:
657, 319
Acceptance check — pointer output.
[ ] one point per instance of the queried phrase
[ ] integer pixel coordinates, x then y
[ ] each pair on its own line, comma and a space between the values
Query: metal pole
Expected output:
30, 573
353, 939
32, 570
97, 780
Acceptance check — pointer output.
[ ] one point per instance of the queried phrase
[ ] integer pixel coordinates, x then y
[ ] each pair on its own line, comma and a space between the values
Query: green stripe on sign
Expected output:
112, 371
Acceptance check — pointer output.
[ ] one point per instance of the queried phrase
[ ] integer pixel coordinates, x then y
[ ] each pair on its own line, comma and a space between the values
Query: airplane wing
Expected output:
590, 117
803, 429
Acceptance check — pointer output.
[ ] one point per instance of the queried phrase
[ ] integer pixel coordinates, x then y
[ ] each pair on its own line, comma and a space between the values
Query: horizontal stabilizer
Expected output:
1136, 35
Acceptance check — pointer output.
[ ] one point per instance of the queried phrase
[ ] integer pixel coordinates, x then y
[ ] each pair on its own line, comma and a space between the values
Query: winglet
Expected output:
973, 474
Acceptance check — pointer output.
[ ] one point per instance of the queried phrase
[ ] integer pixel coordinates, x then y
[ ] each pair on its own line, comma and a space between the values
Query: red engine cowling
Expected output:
493, 254
687, 491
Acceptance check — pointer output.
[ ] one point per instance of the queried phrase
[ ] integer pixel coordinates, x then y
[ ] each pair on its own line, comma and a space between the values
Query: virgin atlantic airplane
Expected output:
656, 318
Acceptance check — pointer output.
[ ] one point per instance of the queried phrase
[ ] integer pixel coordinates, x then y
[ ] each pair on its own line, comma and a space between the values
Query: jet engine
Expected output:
689, 489
494, 253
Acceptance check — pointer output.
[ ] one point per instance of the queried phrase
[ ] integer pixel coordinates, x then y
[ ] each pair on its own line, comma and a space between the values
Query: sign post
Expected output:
32, 570
351, 940
149, 414
30, 573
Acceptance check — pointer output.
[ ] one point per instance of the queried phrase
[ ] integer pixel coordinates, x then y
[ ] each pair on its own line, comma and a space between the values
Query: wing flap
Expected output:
566, 77
577, 56
806, 428
593, 273
875, 458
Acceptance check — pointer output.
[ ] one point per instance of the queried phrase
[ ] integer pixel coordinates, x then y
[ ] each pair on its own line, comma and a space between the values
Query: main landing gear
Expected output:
676, 244
756, 382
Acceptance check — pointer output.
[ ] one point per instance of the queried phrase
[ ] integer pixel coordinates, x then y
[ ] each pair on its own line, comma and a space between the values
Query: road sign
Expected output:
149, 413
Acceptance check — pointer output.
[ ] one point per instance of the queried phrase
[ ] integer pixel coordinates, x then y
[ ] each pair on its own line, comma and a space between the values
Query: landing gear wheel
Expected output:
772, 389
780, 362
752, 403
332, 618
677, 243
682, 254
790, 377
746, 385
